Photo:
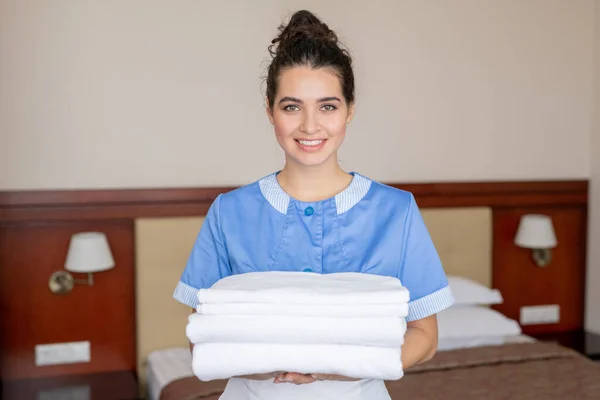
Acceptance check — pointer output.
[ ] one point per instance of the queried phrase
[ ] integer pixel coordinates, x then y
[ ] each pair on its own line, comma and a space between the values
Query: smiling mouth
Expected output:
311, 146
310, 142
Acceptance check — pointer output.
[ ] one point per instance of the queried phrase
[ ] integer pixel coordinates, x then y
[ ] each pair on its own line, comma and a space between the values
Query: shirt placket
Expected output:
313, 215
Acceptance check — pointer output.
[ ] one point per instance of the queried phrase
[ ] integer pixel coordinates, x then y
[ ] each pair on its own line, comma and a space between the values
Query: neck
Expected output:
313, 183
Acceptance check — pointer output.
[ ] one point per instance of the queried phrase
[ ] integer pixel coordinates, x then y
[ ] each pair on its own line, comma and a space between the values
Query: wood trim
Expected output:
167, 202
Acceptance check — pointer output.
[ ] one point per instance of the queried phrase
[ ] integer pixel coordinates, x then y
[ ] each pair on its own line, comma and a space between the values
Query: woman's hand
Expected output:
302, 379
331, 377
261, 377
295, 378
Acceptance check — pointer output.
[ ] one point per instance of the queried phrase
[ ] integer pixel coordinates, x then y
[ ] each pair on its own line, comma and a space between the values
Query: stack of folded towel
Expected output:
348, 324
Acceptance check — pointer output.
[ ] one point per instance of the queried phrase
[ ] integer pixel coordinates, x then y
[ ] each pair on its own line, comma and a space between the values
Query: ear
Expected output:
350, 113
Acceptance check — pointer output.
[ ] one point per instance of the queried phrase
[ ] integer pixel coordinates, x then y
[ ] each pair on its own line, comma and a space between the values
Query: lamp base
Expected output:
61, 282
542, 257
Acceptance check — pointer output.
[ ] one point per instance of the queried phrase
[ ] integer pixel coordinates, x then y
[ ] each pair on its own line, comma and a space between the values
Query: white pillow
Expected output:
475, 322
453, 343
469, 292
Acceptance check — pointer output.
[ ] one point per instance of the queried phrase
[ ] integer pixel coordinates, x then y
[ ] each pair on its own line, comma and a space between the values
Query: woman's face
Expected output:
309, 115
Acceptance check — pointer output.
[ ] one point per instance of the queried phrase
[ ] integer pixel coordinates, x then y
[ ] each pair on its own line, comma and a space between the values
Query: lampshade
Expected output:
535, 232
89, 252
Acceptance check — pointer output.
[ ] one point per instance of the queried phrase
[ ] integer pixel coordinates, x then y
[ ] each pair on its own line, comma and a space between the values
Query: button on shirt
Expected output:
369, 227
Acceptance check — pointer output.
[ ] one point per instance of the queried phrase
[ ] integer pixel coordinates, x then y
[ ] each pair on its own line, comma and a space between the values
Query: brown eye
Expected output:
329, 107
291, 107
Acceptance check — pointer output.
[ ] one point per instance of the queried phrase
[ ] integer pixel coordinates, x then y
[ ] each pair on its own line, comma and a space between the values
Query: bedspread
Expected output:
521, 371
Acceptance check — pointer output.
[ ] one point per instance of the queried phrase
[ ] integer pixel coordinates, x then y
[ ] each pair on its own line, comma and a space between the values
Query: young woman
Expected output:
313, 216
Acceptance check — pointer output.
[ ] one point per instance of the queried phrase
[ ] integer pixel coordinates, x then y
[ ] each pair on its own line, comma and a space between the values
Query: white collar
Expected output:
345, 200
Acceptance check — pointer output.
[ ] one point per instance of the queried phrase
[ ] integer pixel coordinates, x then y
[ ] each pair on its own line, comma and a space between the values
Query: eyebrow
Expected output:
296, 100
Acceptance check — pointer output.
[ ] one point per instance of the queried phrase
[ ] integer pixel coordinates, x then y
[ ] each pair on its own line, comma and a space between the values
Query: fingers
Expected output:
301, 379
295, 378
329, 377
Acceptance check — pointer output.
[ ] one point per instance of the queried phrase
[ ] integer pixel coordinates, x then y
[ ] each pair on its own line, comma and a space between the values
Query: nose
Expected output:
310, 123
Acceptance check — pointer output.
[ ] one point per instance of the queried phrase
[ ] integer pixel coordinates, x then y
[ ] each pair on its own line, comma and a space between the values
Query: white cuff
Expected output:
186, 294
431, 304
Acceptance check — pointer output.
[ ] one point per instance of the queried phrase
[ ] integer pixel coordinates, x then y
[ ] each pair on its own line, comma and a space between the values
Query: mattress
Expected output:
168, 365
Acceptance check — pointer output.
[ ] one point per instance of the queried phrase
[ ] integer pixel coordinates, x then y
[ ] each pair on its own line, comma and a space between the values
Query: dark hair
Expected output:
306, 41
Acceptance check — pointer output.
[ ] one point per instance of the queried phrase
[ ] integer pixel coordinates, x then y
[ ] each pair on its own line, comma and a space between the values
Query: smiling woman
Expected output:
310, 93
310, 116
312, 216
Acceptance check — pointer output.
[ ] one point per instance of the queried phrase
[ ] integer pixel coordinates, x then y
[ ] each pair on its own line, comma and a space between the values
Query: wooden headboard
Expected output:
35, 227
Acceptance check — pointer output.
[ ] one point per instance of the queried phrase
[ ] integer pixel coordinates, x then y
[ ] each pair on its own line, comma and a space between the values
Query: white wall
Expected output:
592, 320
155, 93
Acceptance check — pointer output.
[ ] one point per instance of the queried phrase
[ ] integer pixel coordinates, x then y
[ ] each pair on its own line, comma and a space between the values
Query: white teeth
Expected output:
310, 142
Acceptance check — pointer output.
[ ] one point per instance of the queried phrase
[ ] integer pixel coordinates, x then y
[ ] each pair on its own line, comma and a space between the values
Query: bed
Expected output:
525, 370
496, 361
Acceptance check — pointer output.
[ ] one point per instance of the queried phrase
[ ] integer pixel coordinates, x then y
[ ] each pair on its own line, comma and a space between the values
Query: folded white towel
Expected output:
282, 287
225, 360
322, 310
386, 331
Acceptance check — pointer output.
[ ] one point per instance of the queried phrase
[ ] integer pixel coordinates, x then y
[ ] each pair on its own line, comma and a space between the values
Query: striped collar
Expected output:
345, 200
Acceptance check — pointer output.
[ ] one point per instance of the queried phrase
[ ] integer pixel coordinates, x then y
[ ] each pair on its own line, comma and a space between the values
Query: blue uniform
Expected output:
369, 227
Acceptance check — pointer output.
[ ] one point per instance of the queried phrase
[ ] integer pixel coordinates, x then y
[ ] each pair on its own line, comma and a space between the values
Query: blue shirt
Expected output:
369, 227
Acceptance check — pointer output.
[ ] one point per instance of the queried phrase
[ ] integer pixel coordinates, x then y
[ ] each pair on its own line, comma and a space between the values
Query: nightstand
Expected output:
106, 386
586, 343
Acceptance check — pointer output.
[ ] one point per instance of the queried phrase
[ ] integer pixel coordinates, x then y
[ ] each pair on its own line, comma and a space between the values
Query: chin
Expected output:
312, 160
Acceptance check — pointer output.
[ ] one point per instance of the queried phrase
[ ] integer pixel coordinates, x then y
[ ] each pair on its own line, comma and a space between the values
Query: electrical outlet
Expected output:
62, 353
535, 315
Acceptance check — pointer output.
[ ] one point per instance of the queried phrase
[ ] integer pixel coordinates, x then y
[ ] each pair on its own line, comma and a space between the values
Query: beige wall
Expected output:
154, 93
168, 93
593, 273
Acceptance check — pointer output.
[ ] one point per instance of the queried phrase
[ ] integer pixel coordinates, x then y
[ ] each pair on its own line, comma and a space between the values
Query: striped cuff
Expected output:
430, 304
186, 294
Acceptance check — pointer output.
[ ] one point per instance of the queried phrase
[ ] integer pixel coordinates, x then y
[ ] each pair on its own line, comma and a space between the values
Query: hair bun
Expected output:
308, 42
303, 26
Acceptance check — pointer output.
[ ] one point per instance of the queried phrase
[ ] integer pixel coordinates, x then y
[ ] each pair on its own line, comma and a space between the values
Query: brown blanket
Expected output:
515, 371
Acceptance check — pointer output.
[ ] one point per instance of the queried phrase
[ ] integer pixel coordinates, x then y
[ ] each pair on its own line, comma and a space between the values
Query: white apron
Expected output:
247, 389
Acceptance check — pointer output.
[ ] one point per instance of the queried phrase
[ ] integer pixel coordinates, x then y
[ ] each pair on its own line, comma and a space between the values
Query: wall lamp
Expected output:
88, 252
536, 232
